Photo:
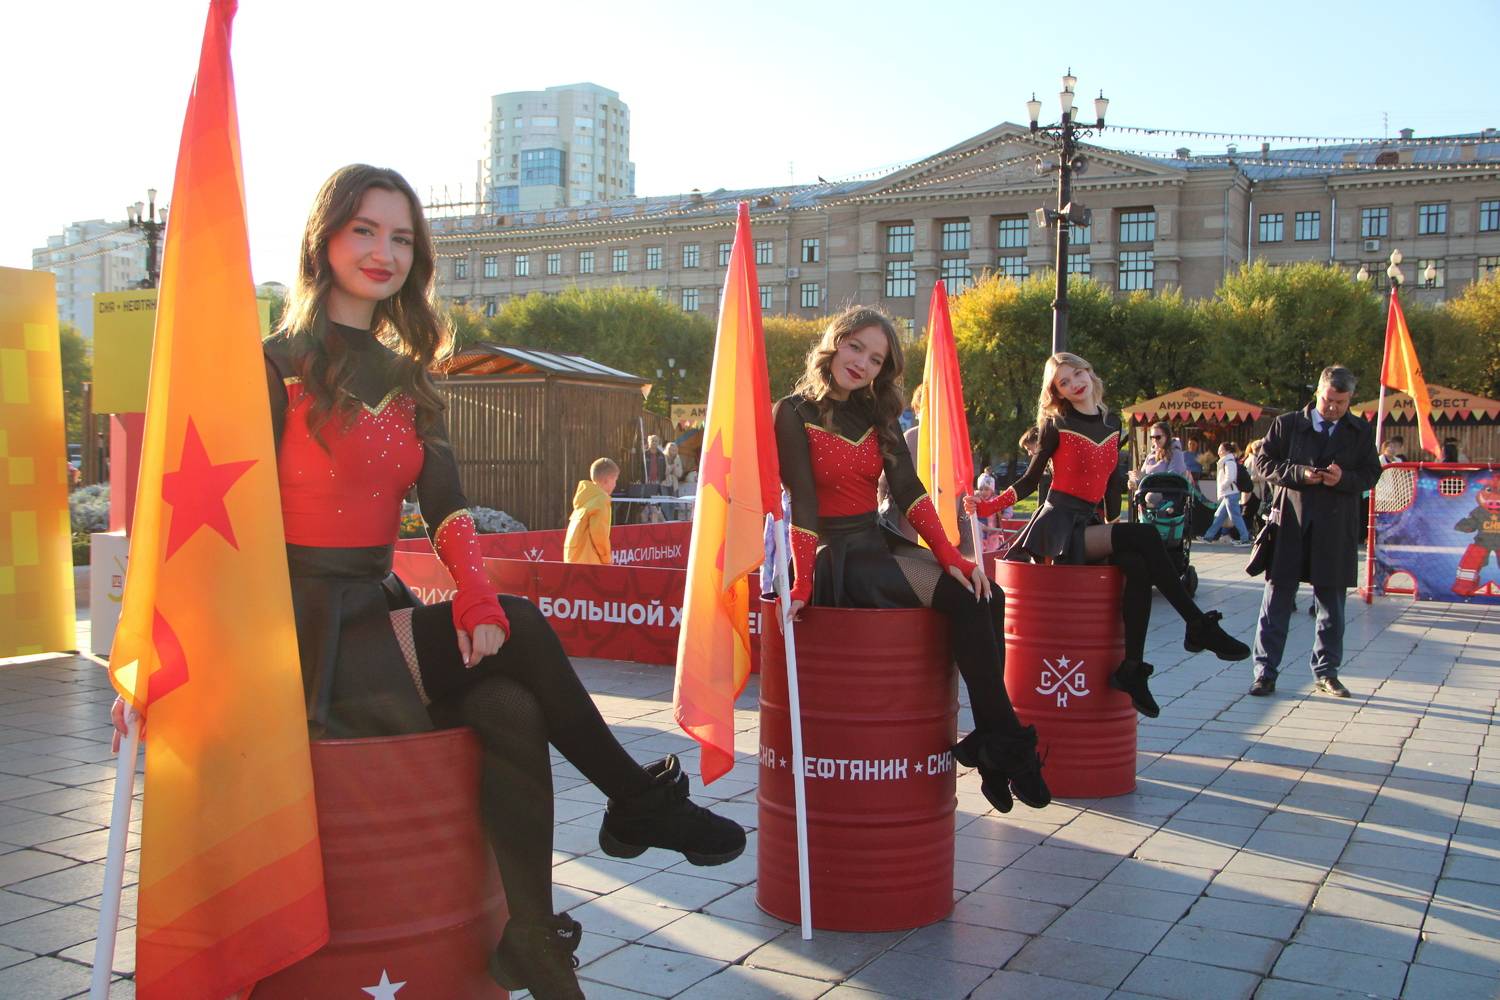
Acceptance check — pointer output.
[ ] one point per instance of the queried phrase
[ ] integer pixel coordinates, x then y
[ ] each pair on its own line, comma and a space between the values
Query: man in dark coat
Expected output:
1319, 460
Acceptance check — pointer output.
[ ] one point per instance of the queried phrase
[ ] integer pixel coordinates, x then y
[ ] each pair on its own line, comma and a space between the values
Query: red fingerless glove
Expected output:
923, 516
996, 503
804, 559
475, 604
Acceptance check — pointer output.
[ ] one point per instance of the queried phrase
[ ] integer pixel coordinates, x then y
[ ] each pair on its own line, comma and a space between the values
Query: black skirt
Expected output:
1055, 531
354, 676
856, 565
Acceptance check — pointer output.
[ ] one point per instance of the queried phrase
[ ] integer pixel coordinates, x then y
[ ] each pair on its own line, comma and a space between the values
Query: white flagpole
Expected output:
114, 862
794, 699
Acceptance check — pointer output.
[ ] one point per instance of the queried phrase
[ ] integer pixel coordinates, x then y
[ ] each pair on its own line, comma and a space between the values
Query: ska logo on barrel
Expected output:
1063, 678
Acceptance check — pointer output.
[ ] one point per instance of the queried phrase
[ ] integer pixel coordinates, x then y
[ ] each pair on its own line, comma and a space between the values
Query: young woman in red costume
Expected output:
359, 423
836, 433
1081, 439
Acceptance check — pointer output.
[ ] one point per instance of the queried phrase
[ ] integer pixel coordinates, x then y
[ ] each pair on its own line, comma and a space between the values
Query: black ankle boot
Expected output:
663, 816
1003, 760
993, 783
1131, 678
537, 955
1205, 632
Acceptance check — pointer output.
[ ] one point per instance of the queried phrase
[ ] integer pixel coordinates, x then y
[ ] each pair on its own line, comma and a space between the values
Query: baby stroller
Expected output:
1166, 500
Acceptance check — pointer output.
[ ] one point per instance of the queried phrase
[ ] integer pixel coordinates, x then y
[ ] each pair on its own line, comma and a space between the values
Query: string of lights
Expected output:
91, 239
1315, 140
1253, 158
97, 253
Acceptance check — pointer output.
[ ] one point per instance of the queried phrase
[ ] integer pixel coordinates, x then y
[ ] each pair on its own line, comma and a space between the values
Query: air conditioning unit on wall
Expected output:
1372, 245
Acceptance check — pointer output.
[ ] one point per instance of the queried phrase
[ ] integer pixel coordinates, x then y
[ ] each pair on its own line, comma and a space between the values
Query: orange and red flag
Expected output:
1402, 371
945, 462
231, 878
739, 482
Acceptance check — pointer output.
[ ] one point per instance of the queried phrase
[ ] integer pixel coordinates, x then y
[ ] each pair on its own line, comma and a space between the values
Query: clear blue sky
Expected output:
720, 94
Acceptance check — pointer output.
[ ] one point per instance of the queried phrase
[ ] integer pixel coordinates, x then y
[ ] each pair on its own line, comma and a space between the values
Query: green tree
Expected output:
77, 368
1272, 330
1143, 344
631, 329
1478, 309
1003, 332
788, 339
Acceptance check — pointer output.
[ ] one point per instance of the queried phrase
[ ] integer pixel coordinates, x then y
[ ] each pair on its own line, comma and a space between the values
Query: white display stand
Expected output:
108, 553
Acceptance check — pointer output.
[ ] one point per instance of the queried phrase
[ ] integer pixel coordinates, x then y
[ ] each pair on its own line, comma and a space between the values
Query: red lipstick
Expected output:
376, 274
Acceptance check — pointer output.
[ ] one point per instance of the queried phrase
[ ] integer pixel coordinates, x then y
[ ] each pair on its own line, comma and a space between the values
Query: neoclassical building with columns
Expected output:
1158, 222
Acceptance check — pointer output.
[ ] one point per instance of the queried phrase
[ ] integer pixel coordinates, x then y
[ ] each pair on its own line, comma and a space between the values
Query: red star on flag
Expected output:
196, 492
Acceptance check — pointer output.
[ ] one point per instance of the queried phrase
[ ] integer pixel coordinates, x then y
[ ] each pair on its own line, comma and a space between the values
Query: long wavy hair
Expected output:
883, 399
1049, 405
407, 322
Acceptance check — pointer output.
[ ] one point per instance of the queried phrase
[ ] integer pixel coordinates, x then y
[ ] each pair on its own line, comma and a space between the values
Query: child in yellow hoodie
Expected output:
588, 527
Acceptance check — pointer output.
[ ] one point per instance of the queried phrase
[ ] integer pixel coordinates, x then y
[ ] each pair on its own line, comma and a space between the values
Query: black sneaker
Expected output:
1263, 686
1205, 632
1131, 678
663, 816
537, 955
1332, 685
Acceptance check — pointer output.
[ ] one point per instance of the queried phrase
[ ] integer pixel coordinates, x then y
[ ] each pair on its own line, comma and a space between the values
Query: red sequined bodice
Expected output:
348, 494
845, 472
1081, 466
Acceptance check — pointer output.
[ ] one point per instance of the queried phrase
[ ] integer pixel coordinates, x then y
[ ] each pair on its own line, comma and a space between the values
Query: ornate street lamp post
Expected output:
151, 221
1064, 136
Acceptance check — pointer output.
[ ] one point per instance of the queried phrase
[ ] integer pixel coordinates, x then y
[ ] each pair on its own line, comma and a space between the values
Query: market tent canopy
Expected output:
1447, 405
1193, 404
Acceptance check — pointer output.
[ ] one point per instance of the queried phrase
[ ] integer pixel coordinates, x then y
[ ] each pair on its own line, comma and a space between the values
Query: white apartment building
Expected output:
558, 147
88, 257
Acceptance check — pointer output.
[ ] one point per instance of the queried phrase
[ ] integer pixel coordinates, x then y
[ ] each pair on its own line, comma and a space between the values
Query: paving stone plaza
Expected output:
1296, 847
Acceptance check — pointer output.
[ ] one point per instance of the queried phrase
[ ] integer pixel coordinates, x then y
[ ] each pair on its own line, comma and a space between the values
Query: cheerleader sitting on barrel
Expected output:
1081, 438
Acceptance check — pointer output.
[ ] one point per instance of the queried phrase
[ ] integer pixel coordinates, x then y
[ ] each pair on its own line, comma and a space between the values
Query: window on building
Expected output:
541, 167
619, 260
1440, 275
763, 252
1080, 236
1307, 226
554, 263
1079, 263
726, 250
956, 273
767, 297
1137, 270
812, 252
492, 267
690, 298
489, 306
1012, 266
900, 279
544, 121
900, 238
1374, 222
956, 236
653, 258
1011, 232
1432, 220
461, 268
523, 265
812, 295
1272, 227
690, 255
1138, 226
585, 262
1489, 216
1488, 265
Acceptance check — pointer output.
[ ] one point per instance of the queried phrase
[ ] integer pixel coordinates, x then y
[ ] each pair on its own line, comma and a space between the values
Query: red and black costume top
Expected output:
341, 494
831, 465
1084, 452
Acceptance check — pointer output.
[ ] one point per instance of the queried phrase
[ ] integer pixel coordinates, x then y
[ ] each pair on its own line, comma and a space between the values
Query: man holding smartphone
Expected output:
1319, 460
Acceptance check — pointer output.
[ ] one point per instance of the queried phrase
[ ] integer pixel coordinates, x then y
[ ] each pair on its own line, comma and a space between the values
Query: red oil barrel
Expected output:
1063, 639
879, 711
413, 893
